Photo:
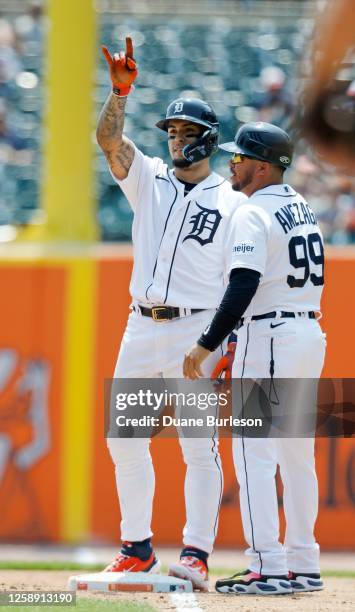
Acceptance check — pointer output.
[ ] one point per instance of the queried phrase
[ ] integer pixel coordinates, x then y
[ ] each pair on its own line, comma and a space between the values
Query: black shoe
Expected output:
301, 582
249, 582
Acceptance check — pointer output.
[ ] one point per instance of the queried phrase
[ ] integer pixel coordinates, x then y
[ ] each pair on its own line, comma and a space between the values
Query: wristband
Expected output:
122, 91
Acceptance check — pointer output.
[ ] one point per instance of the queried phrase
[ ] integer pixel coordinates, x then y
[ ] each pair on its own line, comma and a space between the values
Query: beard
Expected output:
181, 163
239, 185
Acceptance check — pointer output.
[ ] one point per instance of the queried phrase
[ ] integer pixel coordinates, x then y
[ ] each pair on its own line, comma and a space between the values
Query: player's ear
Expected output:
262, 168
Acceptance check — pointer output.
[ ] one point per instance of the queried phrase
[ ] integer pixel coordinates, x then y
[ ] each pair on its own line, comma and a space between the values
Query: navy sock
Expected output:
142, 550
191, 551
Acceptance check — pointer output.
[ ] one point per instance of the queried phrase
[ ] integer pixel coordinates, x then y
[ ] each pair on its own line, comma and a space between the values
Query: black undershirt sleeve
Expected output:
241, 289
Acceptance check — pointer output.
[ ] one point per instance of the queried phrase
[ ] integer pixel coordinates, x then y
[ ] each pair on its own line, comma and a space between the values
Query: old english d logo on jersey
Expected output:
204, 225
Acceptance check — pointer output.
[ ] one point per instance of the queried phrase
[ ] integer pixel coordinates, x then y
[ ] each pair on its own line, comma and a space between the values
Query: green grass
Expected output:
87, 604
338, 574
51, 565
94, 567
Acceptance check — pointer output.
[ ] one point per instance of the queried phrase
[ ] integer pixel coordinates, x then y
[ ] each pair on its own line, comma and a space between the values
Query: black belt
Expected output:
284, 315
166, 313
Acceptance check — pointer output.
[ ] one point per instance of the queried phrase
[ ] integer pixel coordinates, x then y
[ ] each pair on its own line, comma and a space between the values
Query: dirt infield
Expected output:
339, 595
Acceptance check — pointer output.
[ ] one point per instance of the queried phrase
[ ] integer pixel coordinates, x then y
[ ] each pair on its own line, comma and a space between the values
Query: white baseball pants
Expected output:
149, 350
298, 348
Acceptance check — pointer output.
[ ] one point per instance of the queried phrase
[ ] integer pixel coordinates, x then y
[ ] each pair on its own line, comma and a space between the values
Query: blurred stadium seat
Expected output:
241, 56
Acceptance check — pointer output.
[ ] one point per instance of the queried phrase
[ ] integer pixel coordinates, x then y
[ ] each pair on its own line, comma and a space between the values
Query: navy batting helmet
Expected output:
263, 141
196, 111
189, 109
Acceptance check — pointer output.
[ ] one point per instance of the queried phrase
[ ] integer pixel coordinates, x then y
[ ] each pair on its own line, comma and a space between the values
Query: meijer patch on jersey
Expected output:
243, 247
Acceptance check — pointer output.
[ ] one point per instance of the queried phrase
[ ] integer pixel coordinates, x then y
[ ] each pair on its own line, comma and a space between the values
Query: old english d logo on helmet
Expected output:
179, 107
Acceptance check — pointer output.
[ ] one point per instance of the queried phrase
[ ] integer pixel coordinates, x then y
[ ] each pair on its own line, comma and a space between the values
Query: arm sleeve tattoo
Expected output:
118, 149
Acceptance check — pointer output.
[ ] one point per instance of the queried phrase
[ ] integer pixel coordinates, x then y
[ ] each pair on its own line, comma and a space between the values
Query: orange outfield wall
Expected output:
32, 310
335, 457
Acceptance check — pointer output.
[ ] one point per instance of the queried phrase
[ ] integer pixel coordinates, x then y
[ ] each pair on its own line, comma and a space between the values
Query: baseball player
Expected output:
181, 220
276, 281
327, 103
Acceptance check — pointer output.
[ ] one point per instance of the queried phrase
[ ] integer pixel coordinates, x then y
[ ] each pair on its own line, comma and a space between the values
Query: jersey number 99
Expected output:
302, 254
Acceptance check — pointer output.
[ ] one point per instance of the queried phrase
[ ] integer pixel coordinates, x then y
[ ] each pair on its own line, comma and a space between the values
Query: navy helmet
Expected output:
195, 111
263, 141
189, 109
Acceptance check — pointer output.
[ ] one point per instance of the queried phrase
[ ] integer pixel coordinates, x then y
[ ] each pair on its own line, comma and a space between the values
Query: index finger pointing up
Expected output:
129, 47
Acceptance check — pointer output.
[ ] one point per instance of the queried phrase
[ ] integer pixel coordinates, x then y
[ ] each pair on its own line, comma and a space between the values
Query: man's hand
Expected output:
193, 360
123, 68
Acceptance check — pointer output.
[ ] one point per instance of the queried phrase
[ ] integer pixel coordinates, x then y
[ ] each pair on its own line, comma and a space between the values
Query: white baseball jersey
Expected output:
276, 233
179, 242
180, 259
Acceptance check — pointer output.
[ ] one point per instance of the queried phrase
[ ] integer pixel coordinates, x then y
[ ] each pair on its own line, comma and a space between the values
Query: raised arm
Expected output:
118, 149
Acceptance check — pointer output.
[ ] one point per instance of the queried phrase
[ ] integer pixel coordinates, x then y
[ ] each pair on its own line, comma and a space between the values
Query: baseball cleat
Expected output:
250, 583
126, 563
193, 569
302, 582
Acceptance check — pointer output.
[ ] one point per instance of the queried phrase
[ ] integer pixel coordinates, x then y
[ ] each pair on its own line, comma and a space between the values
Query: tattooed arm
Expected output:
118, 149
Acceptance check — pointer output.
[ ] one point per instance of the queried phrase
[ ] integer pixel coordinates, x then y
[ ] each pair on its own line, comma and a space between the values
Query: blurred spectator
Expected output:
15, 159
13, 148
9, 50
8, 89
344, 192
331, 195
275, 105
8, 137
29, 26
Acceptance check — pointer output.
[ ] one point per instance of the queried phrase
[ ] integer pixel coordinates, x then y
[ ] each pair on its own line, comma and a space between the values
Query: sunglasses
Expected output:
238, 158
